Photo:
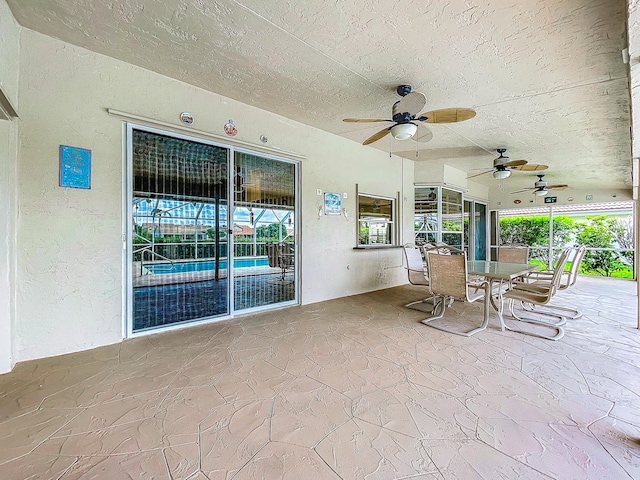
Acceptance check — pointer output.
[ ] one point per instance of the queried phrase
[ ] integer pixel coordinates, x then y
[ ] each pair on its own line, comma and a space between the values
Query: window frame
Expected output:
388, 220
440, 233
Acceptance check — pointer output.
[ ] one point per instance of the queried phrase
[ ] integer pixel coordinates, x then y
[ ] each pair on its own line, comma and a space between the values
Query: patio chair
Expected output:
542, 279
441, 248
280, 255
539, 297
448, 281
513, 253
416, 272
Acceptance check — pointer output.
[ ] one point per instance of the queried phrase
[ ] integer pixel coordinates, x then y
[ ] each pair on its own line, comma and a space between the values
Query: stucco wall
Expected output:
70, 285
9, 53
9, 60
426, 173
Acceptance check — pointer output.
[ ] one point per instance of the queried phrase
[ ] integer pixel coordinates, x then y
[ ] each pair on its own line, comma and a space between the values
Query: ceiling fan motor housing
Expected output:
403, 90
500, 161
540, 183
398, 116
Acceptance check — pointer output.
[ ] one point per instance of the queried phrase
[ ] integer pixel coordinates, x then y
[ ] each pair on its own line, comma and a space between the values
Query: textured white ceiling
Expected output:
546, 77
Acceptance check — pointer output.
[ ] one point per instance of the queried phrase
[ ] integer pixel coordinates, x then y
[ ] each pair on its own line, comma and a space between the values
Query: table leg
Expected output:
501, 310
498, 302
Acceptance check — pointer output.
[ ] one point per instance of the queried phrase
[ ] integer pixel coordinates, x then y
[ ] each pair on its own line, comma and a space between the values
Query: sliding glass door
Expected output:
204, 243
475, 230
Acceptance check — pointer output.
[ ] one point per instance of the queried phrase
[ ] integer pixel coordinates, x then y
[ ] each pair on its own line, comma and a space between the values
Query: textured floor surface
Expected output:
354, 388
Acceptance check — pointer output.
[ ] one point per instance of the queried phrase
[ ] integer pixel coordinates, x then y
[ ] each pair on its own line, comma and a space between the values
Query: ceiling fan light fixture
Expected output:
541, 193
404, 131
501, 174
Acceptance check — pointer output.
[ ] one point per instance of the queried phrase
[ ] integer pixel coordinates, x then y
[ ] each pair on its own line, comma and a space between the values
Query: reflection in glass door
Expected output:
193, 258
178, 224
264, 231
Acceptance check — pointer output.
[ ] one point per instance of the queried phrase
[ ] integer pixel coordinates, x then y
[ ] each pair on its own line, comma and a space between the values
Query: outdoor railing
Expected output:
183, 250
619, 264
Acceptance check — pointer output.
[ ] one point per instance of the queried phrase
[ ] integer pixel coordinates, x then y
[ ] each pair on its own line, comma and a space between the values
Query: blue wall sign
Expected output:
75, 167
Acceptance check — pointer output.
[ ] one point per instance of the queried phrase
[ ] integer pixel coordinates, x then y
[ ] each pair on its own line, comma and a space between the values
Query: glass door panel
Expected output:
467, 232
178, 215
264, 231
480, 231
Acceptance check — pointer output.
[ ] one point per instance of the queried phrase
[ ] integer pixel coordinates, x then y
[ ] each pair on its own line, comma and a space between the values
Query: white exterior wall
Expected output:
70, 279
9, 61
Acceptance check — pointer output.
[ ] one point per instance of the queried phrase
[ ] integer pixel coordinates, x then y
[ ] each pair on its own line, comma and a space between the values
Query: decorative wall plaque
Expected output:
75, 167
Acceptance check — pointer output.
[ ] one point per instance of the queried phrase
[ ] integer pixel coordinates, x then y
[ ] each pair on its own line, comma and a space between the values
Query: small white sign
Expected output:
332, 204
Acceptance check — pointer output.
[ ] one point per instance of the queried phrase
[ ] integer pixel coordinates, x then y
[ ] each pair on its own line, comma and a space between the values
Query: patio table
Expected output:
500, 274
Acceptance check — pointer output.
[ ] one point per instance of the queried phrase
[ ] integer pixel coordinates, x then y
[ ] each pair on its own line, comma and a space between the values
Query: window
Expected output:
438, 216
376, 220
426, 223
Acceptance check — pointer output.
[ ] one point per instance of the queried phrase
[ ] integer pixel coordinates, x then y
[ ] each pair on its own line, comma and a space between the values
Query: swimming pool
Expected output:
203, 265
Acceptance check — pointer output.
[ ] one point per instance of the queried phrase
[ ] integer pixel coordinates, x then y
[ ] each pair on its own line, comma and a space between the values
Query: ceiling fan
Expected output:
541, 187
406, 117
503, 165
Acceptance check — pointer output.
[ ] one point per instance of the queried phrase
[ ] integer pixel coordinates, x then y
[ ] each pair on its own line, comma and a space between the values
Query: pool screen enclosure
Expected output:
199, 239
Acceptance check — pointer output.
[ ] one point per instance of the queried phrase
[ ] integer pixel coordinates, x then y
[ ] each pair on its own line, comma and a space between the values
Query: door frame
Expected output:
127, 228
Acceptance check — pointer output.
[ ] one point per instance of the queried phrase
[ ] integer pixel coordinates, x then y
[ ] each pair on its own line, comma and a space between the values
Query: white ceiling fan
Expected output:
503, 165
407, 120
541, 187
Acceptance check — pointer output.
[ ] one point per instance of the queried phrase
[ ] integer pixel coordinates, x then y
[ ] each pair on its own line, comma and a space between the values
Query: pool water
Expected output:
201, 266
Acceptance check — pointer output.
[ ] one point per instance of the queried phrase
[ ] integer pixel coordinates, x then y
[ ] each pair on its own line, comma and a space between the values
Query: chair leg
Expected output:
561, 319
439, 304
442, 304
559, 330
431, 300
572, 313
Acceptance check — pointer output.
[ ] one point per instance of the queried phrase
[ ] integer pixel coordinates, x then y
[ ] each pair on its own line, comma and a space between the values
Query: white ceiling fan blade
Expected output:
411, 103
424, 135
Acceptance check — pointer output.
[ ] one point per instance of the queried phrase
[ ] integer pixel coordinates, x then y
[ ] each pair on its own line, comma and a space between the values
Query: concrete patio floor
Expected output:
353, 388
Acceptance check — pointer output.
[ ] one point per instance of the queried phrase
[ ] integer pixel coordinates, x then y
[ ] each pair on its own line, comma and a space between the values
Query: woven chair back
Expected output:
448, 275
513, 254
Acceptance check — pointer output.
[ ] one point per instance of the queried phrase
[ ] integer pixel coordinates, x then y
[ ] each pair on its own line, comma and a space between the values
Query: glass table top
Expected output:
499, 269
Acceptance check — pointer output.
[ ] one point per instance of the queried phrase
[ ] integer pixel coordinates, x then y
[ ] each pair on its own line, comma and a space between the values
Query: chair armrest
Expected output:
540, 274
484, 286
424, 270
538, 287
